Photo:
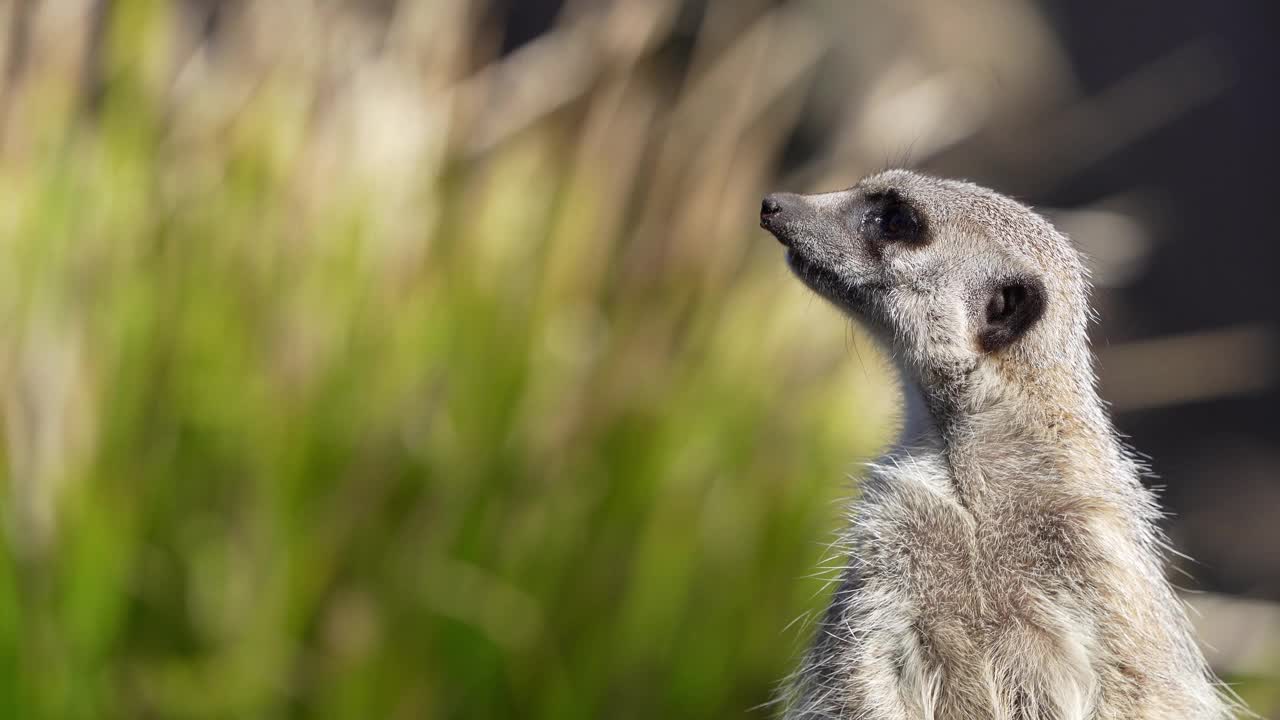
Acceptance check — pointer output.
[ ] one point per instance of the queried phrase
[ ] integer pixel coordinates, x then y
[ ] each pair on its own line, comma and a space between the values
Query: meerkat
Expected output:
1003, 561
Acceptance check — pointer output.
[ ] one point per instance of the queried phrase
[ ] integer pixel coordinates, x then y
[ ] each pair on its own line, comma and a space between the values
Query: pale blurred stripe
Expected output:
1240, 636
1178, 369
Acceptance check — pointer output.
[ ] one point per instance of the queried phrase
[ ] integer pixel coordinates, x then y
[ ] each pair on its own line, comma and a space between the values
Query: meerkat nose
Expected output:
770, 210
769, 206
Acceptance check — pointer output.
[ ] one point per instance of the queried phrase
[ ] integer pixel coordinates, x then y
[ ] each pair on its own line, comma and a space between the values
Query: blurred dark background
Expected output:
1208, 272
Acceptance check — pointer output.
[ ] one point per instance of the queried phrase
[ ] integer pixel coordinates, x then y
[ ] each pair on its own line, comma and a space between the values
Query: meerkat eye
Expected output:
892, 220
898, 221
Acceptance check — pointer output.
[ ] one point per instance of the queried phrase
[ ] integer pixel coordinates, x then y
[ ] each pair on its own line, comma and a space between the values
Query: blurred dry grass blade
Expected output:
1186, 368
1114, 238
1146, 100
1243, 636
910, 81
513, 93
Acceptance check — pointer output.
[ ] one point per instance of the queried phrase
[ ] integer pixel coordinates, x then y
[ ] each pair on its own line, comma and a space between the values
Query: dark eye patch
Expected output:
891, 218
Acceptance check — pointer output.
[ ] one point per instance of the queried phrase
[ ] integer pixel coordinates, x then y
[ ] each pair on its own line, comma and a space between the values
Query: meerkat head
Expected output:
955, 279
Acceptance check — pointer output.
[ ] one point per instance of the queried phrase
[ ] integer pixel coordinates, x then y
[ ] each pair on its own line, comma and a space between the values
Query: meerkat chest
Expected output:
967, 576
958, 601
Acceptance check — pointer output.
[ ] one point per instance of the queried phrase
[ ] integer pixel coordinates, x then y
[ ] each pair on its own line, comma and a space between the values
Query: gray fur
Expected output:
1006, 564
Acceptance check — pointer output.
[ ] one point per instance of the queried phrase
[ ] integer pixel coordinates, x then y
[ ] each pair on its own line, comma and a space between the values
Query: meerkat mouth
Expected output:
825, 281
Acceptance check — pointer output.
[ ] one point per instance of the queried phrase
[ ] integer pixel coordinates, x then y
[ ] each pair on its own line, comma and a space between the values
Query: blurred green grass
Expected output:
277, 446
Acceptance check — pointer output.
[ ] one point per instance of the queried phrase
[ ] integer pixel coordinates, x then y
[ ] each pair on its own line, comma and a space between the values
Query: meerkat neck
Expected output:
977, 424
920, 424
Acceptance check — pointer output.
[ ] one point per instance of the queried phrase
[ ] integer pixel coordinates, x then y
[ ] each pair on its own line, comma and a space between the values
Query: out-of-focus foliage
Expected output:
357, 370
312, 410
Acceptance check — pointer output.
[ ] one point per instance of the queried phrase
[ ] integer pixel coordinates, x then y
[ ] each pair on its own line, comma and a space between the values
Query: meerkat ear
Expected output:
1013, 307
